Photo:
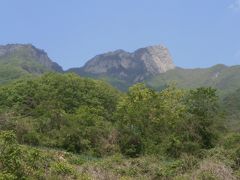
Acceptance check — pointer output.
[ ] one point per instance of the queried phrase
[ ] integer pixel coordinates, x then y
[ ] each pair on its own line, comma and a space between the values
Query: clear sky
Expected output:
198, 33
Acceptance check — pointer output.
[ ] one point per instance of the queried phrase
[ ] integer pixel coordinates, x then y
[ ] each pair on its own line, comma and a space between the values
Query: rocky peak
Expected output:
137, 65
157, 59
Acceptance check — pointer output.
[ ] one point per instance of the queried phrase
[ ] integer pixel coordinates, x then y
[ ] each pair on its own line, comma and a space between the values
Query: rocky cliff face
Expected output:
134, 66
26, 53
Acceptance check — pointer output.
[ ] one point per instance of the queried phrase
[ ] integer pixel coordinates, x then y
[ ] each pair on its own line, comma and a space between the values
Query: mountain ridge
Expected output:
120, 68
22, 60
134, 66
29, 51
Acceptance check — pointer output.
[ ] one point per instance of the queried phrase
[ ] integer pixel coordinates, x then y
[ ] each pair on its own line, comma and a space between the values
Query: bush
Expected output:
237, 157
174, 147
231, 140
10, 154
7, 176
31, 138
73, 142
62, 169
131, 145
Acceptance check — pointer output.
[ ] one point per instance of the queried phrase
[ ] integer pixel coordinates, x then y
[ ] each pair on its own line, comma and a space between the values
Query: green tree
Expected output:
10, 154
202, 105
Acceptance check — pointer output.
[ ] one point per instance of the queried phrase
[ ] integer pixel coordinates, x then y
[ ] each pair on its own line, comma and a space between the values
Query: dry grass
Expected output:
216, 169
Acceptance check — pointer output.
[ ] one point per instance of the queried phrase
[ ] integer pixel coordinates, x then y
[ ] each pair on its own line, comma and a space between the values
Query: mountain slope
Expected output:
152, 65
19, 60
224, 78
128, 68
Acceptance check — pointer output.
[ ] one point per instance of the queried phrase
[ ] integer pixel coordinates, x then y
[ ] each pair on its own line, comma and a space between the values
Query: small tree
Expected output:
10, 154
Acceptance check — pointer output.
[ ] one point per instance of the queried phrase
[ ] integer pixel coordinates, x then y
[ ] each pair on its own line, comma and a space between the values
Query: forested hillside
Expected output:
62, 126
24, 60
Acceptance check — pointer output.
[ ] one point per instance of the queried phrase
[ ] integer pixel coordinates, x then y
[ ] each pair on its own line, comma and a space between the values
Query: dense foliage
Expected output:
90, 118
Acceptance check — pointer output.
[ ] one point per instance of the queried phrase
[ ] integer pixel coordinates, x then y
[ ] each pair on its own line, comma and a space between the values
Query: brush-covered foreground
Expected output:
66, 127
26, 162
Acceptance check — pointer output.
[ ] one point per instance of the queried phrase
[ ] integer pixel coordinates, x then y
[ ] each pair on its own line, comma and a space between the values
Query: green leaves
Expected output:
178, 120
203, 102
10, 154
49, 107
88, 116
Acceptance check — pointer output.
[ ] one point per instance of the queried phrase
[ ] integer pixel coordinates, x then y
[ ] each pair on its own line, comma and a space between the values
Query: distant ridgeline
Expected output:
152, 65
18, 60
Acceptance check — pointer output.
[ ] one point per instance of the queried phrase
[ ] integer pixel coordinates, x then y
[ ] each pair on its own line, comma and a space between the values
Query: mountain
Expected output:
152, 65
224, 78
19, 60
128, 68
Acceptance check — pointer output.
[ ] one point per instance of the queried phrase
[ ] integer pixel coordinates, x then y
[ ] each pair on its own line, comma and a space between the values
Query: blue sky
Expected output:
197, 33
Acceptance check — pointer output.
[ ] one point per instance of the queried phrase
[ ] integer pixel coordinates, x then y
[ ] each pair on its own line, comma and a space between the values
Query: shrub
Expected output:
174, 147
7, 176
31, 138
62, 169
10, 154
232, 140
131, 145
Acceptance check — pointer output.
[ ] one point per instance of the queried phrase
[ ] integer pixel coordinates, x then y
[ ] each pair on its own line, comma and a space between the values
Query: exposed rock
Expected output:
134, 66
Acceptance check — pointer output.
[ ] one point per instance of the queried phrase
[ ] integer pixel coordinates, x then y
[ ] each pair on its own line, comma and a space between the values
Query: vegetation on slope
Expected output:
17, 61
95, 132
225, 79
231, 105
26, 162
